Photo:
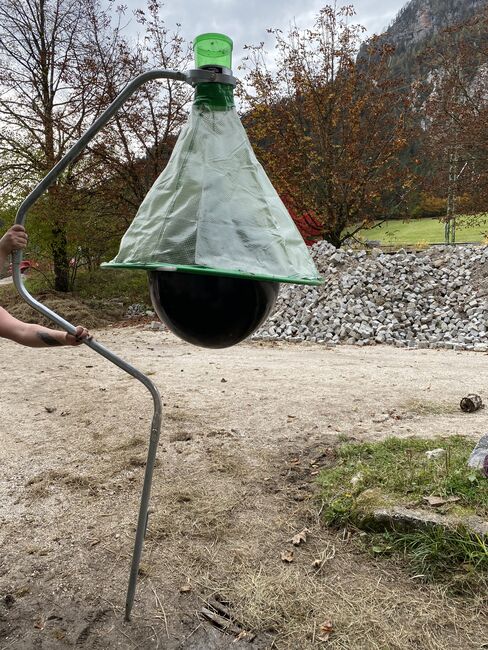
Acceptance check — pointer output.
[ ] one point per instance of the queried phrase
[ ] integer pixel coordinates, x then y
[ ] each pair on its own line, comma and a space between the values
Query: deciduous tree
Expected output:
332, 132
62, 63
455, 114
45, 100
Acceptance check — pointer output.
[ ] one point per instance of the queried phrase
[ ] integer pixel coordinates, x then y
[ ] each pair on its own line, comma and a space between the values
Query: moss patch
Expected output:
397, 472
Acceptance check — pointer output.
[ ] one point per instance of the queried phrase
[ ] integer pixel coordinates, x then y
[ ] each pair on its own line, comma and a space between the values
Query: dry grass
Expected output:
89, 313
45, 483
227, 541
224, 505
135, 441
224, 531
291, 602
426, 408
194, 512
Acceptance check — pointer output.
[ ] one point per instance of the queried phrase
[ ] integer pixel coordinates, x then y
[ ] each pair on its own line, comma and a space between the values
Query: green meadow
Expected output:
431, 231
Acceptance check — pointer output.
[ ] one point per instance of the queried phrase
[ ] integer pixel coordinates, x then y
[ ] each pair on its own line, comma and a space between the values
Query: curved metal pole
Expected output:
94, 345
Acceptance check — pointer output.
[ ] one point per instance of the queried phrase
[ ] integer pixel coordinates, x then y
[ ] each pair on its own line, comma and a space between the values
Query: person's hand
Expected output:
77, 339
14, 239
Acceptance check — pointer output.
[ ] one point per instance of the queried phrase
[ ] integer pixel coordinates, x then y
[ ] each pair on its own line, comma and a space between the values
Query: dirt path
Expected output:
244, 432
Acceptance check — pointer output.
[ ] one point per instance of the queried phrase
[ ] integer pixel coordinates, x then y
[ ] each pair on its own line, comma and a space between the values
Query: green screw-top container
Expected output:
214, 50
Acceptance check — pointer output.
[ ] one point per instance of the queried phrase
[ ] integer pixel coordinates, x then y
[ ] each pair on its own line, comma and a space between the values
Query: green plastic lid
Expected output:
213, 49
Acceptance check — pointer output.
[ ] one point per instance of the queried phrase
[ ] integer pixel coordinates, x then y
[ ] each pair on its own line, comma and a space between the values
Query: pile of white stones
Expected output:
436, 298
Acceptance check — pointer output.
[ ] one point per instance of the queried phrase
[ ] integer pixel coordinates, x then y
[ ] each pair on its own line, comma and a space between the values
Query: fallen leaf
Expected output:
287, 556
244, 635
435, 501
440, 501
300, 537
326, 630
184, 589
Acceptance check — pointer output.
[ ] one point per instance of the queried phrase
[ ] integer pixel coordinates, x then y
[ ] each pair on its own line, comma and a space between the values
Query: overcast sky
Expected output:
246, 21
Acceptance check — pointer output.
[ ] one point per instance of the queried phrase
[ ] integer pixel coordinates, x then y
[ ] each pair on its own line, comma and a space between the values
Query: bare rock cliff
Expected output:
423, 19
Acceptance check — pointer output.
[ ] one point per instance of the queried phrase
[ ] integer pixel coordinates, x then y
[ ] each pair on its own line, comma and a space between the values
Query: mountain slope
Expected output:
417, 27
419, 20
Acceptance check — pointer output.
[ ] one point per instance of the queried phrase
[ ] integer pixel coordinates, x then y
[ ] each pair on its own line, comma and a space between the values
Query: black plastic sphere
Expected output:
208, 310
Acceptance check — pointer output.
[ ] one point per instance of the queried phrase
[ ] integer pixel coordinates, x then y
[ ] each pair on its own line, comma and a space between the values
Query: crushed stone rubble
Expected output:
435, 298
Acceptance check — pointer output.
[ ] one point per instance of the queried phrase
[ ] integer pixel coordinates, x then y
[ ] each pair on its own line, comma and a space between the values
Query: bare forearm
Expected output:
36, 336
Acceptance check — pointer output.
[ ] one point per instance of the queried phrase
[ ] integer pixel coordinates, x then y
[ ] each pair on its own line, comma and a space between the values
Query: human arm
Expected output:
36, 336
14, 239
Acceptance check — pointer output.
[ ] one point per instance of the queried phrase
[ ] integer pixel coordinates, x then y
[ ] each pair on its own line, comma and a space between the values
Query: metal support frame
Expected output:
192, 77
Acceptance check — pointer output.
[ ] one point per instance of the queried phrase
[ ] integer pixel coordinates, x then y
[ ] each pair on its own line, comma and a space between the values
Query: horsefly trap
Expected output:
212, 233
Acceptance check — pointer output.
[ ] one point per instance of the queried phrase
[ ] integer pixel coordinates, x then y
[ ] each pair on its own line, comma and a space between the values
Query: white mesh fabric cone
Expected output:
213, 207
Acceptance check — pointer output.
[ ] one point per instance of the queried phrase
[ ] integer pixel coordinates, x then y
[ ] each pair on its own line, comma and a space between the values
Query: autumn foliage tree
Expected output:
61, 63
455, 114
331, 131
44, 102
136, 145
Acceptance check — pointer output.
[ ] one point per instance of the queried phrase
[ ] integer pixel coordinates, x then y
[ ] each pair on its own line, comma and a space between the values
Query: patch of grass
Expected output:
39, 485
422, 231
437, 554
90, 312
402, 473
129, 286
195, 512
421, 407
398, 472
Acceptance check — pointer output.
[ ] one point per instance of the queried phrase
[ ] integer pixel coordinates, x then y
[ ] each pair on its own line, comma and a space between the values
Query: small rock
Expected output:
357, 478
479, 455
434, 454
9, 600
156, 326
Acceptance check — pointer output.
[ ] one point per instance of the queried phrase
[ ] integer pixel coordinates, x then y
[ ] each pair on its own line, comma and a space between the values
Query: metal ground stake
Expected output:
155, 425
94, 345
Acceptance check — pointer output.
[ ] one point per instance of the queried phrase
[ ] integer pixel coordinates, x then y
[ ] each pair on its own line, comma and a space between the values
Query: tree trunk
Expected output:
59, 250
334, 237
